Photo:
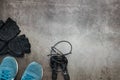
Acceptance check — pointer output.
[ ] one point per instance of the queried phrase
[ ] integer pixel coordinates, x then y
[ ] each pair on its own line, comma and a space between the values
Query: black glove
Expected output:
18, 46
1, 23
3, 44
10, 43
9, 30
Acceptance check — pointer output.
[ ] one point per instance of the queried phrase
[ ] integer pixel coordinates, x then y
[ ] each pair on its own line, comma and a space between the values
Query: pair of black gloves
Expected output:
10, 42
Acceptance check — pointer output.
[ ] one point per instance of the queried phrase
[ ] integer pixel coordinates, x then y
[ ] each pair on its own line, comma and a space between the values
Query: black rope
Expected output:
57, 51
58, 59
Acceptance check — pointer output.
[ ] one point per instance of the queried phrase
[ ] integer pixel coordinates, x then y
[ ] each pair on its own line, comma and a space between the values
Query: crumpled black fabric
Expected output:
10, 42
1, 23
19, 46
9, 30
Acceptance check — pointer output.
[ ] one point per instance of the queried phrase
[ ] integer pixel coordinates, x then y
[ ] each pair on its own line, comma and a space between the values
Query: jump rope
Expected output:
58, 60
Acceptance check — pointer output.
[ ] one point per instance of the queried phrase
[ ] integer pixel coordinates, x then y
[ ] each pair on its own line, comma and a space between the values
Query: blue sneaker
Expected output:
34, 71
8, 68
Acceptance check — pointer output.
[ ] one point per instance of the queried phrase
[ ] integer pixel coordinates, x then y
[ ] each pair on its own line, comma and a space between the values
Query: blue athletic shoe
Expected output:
34, 71
8, 68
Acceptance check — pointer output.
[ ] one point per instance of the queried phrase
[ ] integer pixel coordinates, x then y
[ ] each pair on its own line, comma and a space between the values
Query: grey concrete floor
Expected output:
92, 26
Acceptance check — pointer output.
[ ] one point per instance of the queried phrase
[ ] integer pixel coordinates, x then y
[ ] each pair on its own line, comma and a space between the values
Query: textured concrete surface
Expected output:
92, 26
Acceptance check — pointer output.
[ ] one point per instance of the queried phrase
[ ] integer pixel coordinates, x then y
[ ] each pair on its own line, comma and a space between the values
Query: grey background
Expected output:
92, 26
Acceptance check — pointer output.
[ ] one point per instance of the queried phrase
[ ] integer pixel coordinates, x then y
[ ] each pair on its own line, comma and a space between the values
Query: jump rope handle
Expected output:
66, 77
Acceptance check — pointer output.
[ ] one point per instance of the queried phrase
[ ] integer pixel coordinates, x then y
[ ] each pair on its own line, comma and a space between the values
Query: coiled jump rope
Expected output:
58, 60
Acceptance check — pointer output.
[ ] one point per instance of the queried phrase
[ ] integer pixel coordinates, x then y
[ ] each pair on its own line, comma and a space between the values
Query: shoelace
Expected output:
28, 77
5, 75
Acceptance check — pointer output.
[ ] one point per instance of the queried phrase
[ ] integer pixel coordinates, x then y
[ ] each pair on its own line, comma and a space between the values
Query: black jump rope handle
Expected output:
66, 77
64, 69
54, 75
